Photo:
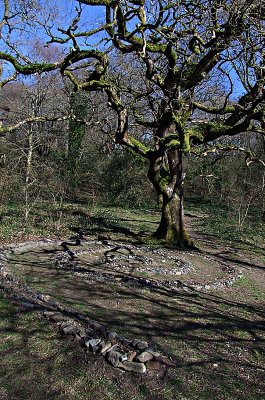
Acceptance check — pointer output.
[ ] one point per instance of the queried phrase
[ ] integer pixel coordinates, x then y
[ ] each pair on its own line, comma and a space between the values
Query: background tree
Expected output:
77, 129
31, 145
180, 50
223, 178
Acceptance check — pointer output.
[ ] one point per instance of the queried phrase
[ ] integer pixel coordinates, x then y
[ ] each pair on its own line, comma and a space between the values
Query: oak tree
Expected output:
178, 51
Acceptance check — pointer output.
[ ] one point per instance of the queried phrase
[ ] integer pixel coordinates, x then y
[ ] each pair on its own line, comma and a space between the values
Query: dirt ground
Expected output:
203, 309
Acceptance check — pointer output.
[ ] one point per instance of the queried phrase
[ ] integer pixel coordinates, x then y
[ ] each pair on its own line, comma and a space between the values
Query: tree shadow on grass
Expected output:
40, 365
227, 256
198, 330
104, 225
237, 244
170, 302
103, 229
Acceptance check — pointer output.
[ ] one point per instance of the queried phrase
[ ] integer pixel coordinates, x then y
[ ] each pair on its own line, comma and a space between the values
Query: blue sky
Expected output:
65, 11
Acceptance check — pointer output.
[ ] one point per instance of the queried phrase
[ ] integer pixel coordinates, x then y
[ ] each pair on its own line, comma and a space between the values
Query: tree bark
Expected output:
77, 129
171, 229
28, 172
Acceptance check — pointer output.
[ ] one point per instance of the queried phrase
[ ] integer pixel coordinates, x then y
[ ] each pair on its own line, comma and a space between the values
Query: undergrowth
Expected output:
218, 222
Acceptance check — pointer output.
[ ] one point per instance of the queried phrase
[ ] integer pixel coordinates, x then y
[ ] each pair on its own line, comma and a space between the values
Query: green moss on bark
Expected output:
138, 145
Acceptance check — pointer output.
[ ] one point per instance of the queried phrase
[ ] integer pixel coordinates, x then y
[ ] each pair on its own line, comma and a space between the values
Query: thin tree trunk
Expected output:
179, 184
77, 129
28, 172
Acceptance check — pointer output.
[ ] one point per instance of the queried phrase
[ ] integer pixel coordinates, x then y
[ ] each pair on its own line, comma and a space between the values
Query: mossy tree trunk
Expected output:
169, 185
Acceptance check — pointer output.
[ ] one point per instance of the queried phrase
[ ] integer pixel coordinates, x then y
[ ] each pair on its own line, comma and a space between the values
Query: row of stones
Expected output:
220, 284
65, 261
148, 283
134, 281
154, 283
116, 254
156, 270
69, 263
129, 354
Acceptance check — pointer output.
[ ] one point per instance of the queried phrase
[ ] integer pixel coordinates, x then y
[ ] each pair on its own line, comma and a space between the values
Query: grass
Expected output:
197, 330
218, 222
250, 288
49, 221
37, 364
216, 339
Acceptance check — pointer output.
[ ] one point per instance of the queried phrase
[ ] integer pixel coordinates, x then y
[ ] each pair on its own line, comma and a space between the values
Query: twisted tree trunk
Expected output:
169, 186
171, 228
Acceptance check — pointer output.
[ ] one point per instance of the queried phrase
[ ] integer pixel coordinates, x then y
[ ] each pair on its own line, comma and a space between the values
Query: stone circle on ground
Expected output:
119, 264
145, 266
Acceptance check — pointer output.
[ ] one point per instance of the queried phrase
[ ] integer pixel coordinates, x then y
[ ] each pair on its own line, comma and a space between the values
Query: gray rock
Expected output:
82, 333
94, 349
68, 329
127, 342
152, 351
113, 348
97, 326
48, 314
44, 297
25, 304
81, 317
139, 368
112, 335
142, 345
114, 357
135, 342
104, 347
53, 303
144, 357
91, 343
124, 357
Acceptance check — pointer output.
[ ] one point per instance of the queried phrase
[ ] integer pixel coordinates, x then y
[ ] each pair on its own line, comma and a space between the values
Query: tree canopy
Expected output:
178, 75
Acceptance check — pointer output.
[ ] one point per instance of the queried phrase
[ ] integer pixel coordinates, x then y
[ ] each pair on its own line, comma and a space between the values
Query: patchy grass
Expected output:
251, 289
219, 224
213, 340
37, 364
216, 339
49, 221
